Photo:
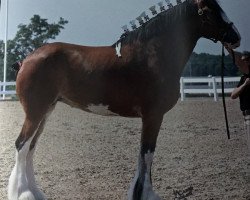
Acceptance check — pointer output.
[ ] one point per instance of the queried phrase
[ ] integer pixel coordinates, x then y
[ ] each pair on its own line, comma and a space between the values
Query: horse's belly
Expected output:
114, 110
100, 109
123, 109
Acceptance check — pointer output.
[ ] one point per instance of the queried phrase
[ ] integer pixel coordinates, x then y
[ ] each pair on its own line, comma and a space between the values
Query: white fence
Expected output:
7, 90
192, 85
206, 85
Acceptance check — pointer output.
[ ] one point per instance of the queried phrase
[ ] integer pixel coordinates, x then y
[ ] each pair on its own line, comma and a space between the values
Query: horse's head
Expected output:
215, 24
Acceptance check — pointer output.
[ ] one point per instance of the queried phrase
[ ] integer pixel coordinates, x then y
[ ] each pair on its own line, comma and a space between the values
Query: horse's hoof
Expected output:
27, 195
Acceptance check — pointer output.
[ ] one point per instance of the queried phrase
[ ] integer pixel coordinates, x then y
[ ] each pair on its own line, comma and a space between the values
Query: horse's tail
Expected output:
16, 66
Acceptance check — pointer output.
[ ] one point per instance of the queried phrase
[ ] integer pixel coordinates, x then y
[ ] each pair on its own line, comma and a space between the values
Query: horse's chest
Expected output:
169, 96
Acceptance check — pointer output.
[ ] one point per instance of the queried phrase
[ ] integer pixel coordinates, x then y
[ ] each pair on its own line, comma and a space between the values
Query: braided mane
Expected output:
160, 23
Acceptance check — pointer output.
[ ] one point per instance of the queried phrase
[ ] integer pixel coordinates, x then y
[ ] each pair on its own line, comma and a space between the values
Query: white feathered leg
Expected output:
38, 194
143, 173
18, 188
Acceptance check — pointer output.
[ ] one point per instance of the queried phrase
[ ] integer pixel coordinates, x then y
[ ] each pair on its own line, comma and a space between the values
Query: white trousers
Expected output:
247, 126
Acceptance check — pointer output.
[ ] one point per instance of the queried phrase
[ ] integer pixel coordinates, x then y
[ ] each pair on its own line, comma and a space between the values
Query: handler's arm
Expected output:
237, 91
237, 56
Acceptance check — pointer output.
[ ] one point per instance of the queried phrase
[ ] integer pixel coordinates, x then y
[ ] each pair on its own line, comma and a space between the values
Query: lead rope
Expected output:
223, 89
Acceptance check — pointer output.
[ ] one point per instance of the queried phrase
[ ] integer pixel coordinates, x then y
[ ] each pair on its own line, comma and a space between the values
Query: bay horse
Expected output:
138, 76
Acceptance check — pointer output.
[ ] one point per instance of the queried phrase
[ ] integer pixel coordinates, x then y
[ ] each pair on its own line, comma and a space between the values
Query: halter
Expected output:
200, 9
223, 32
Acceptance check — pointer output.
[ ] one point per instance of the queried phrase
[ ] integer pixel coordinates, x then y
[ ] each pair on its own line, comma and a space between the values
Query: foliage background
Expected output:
28, 38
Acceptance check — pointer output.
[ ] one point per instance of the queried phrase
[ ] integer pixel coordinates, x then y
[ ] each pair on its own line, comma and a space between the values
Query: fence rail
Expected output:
206, 85
7, 89
188, 85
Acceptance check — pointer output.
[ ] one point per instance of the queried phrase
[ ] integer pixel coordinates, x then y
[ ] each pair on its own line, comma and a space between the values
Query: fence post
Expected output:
4, 90
215, 89
210, 84
0, 91
182, 89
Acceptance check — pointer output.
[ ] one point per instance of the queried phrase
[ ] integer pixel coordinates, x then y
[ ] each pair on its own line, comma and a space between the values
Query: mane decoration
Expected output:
143, 18
162, 15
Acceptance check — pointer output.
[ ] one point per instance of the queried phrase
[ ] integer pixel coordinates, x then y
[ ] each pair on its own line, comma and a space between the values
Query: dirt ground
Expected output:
84, 156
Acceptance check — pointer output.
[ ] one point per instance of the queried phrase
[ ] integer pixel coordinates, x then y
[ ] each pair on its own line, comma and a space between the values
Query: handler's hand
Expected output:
247, 81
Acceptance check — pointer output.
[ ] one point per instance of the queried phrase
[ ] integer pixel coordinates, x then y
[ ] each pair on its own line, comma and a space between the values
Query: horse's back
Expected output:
57, 59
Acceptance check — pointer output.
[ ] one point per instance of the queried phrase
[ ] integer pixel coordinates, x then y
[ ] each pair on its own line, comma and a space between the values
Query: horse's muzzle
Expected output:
232, 37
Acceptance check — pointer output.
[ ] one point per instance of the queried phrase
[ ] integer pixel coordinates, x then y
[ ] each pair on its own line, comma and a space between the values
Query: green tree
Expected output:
27, 39
204, 64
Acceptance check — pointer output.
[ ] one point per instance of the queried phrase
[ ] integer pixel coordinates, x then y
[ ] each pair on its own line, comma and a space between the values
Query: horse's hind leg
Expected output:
29, 162
22, 184
18, 183
141, 187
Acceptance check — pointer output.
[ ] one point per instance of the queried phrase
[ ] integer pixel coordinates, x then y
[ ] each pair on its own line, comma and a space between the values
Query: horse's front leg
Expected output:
141, 187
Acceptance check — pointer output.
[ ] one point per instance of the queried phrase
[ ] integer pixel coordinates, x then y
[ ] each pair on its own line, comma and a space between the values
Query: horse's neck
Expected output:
176, 42
181, 46
174, 48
